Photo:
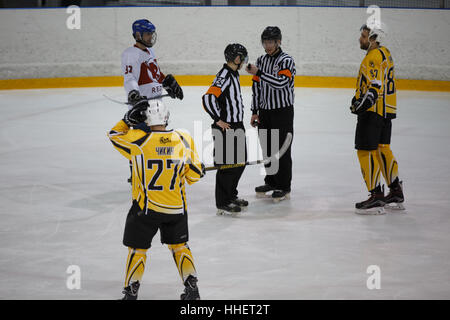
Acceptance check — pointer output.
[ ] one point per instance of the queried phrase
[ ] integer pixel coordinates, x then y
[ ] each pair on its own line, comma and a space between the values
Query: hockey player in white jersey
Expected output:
142, 75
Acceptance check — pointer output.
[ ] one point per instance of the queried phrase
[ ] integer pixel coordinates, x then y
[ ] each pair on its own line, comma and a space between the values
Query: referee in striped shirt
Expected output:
273, 107
223, 103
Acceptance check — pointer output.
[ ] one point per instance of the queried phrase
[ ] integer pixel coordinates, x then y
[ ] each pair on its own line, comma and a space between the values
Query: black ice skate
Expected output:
374, 205
394, 200
240, 202
279, 195
262, 190
131, 292
190, 289
230, 209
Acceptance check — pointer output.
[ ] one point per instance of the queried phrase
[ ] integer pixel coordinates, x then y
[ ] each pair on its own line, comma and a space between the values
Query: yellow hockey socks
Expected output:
135, 265
370, 168
183, 259
388, 163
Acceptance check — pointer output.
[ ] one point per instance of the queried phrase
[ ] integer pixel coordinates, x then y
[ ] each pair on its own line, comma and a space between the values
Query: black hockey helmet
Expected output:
235, 49
271, 33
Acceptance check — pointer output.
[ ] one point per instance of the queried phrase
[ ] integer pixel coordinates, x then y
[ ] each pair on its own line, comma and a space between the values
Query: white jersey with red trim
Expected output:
141, 72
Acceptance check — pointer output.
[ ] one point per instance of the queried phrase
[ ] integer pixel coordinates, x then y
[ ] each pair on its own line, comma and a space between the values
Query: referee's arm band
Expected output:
214, 91
285, 72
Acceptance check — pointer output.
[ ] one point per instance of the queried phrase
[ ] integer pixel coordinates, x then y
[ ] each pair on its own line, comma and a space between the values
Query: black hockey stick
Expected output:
276, 156
127, 103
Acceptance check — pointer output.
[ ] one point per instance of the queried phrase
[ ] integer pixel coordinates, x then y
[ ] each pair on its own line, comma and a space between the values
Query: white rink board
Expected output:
323, 41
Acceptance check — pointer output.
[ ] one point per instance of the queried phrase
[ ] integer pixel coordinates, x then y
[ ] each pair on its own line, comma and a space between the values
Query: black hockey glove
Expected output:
364, 102
136, 114
134, 97
172, 87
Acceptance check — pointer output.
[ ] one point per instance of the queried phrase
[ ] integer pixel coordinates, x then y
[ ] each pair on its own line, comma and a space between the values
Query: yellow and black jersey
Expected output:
390, 92
162, 161
371, 76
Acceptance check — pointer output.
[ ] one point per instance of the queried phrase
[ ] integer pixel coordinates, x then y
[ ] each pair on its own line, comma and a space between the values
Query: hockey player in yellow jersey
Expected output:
375, 104
162, 161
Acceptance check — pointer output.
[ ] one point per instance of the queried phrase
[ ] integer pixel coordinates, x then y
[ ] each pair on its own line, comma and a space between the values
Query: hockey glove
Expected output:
136, 114
172, 87
365, 102
134, 97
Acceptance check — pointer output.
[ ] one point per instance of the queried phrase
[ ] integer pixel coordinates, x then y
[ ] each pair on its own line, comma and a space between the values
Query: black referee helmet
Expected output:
271, 33
235, 49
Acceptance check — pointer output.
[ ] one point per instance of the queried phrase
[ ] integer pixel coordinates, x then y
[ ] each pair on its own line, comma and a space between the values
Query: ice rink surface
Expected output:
64, 199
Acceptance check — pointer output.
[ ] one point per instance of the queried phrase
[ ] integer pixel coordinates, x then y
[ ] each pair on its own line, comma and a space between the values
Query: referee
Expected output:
273, 108
223, 103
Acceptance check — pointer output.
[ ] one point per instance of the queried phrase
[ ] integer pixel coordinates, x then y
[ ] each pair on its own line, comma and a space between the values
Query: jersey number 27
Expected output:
170, 164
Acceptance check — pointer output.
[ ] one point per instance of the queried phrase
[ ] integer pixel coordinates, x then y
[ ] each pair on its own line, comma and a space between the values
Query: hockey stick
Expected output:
127, 103
276, 156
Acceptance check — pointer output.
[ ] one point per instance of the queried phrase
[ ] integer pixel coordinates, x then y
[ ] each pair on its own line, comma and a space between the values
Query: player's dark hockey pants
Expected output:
282, 120
229, 148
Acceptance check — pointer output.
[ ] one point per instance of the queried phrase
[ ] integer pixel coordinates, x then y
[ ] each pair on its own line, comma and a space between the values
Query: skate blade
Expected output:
371, 211
226, 213
286, 197
394, 206
263, 195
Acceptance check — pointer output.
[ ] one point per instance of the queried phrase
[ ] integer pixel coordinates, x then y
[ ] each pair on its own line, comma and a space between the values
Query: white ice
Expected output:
64, 199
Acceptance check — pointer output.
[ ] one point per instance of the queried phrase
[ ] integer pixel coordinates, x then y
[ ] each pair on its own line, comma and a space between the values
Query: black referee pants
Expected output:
282, 120
229, 148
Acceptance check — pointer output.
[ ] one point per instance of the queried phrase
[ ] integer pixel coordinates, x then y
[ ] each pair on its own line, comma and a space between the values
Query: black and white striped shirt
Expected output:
273, 85
223, 100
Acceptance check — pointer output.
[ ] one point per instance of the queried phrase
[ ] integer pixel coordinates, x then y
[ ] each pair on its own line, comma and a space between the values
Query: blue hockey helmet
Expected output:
141, 26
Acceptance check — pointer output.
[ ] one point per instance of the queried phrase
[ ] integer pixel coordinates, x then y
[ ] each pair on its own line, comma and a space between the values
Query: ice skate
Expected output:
230, 209
131, 292
394, 200
279, 195
261, 191
190, 289
374, 205
240, 202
